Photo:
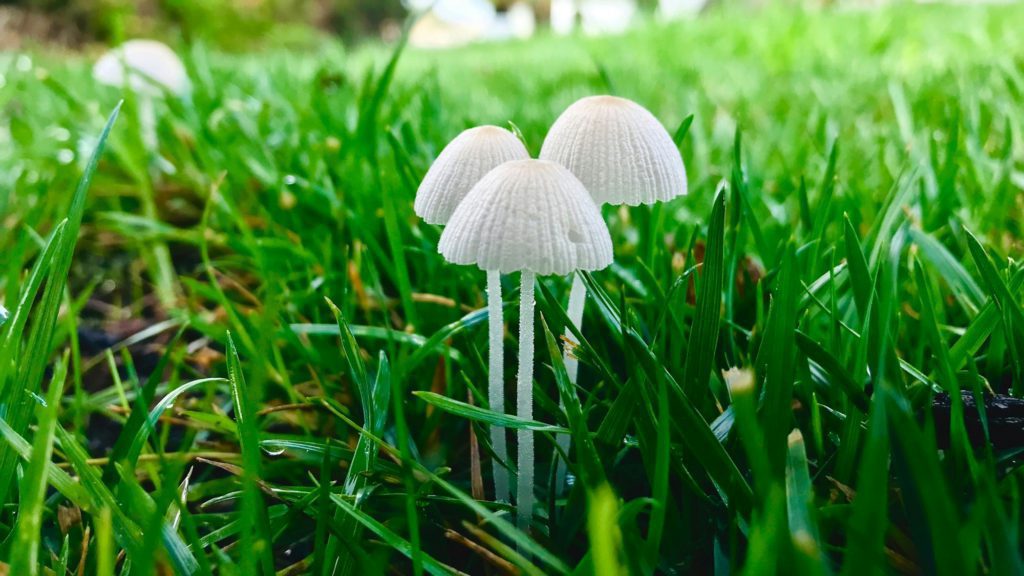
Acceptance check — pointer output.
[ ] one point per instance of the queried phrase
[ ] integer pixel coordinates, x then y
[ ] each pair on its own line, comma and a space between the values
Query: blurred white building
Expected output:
670, 9
563, 16
449, 23
606, 16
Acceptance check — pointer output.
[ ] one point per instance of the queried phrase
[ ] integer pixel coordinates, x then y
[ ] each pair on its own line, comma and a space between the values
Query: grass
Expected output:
309, 393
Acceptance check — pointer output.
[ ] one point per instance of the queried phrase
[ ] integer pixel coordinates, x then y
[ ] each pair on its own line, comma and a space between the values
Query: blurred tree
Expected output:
227, 23
63, 21
349, 18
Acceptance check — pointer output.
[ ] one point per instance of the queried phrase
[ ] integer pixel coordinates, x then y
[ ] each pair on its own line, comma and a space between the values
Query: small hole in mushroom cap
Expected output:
575, 236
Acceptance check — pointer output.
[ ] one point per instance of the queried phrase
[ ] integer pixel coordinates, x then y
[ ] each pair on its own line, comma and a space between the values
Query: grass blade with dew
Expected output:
256, 537
129, 444
28, 377
28, 535
375, 399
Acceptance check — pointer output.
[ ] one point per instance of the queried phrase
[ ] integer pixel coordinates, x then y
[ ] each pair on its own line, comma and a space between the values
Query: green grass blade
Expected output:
695, 432
605, 535
803, 527
952, 271
703, 340
777, 413
30, 373
865, 533
591, 471
393, 540
402, 430
485, 416
256, 537
25, 550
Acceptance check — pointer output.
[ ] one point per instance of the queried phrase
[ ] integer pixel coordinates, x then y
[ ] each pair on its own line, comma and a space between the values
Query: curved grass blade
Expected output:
591, 470
28, 377
703, 337
149, 424
695, 432
402, 431
28, 535
803, 528
484, 415
865, 533
393, 540
129, 443
256, 536
522, 541
777, 415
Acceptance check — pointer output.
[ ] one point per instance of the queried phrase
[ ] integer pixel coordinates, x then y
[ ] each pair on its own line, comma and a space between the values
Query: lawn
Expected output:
249, 357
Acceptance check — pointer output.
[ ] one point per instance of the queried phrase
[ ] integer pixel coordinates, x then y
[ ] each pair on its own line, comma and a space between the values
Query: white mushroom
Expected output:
149, 69
623, 155
462, 163
618, 149
145, 67
534, 217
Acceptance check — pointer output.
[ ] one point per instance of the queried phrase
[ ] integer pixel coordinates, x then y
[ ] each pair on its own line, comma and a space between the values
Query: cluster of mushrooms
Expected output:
506, 213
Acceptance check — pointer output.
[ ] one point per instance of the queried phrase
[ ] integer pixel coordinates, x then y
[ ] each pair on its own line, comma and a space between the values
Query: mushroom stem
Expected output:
577, 301
496, 383
524, 402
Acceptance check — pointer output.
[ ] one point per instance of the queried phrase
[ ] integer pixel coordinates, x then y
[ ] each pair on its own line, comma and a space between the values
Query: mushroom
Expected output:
462, 163
149, 69
623, 155
532, 217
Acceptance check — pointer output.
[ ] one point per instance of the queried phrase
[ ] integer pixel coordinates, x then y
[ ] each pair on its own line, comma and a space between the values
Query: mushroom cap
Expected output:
462, 163
618, 149
151, 67
528, 215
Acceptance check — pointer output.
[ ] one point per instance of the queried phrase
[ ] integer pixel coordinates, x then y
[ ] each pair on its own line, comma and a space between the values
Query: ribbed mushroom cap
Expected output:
462, 163
149, 64
528, 215
618, 149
